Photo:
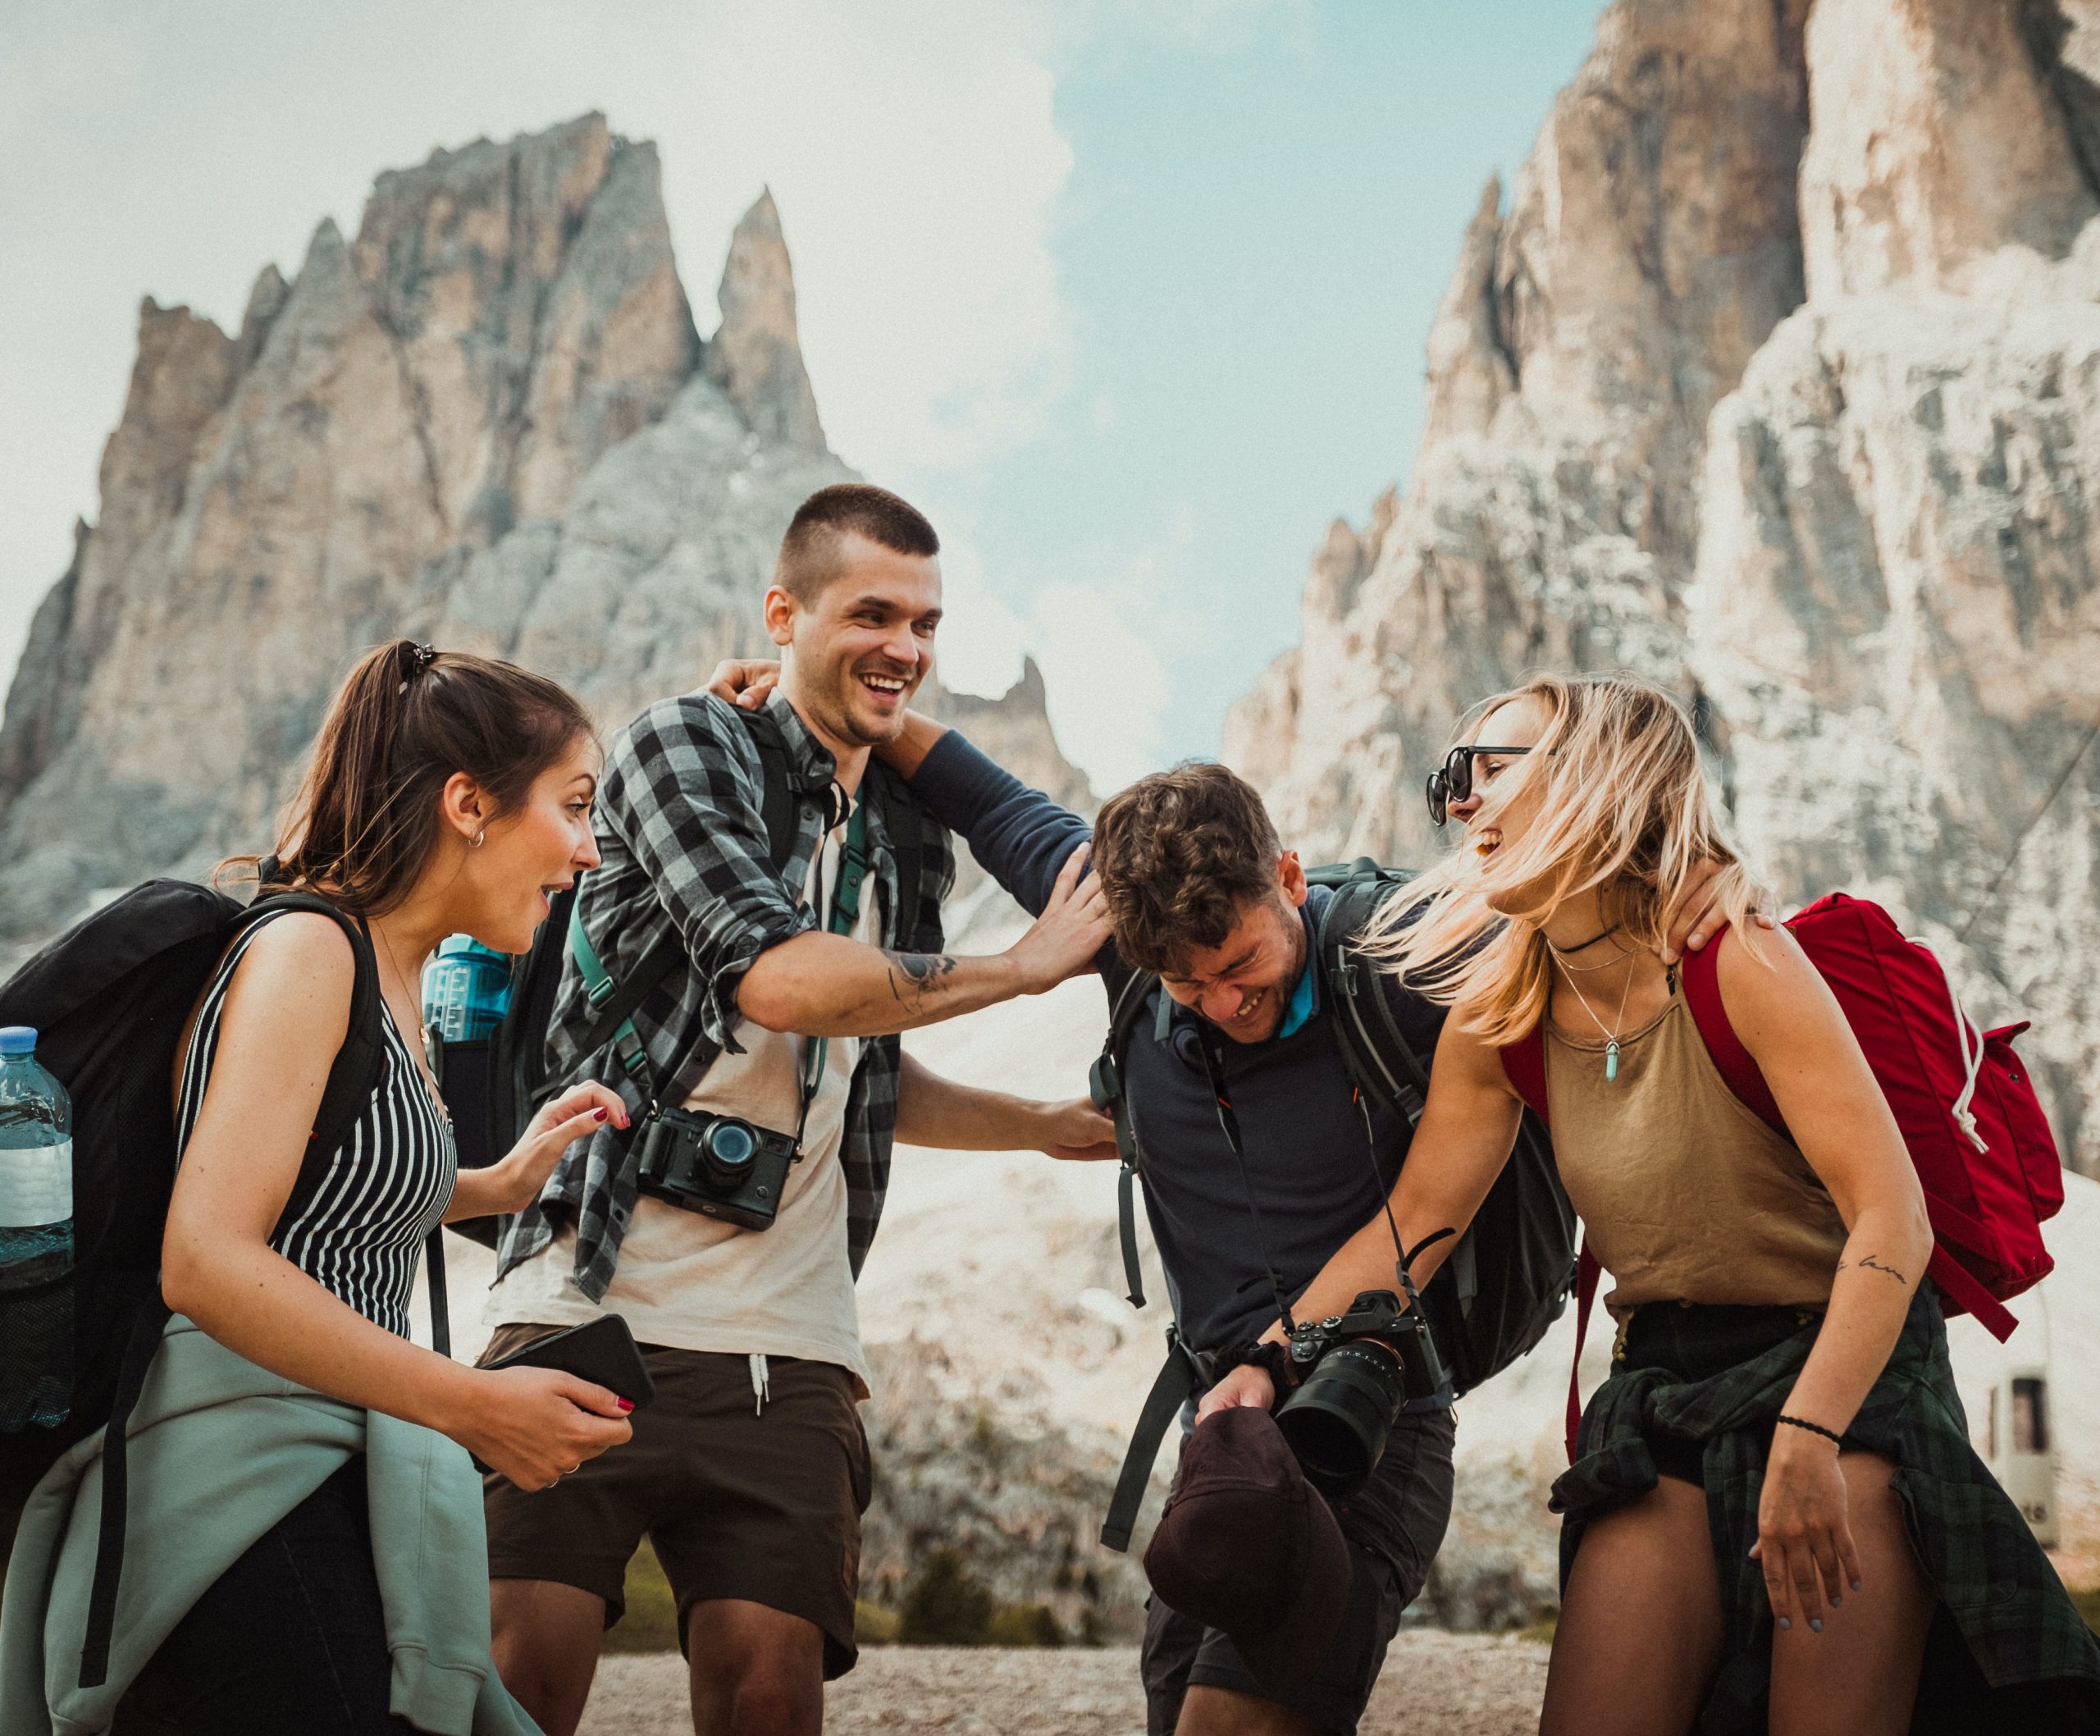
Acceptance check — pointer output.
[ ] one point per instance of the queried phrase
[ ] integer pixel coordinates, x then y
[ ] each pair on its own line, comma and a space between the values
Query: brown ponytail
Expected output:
365, 821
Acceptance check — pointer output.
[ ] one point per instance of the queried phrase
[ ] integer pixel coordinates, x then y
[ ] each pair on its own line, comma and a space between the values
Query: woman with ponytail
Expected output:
1774, 1501
447, 794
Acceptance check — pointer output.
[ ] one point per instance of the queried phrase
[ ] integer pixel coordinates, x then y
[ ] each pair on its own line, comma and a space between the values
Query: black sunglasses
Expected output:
1453, 781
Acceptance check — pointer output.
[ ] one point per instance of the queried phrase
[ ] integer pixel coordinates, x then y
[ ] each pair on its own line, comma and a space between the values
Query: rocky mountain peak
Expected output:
1799, 420
756, 355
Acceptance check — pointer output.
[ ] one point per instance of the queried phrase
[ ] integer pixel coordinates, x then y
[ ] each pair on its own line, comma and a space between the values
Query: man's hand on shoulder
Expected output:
1066, 938
744, 681
1076, 1132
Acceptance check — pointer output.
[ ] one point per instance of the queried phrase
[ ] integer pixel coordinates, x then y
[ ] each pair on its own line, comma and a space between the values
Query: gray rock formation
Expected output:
1799, 421
487, 422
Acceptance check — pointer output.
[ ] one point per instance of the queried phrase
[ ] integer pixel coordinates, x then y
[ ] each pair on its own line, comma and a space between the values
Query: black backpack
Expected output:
1506, 1282
109, 999
493, 1086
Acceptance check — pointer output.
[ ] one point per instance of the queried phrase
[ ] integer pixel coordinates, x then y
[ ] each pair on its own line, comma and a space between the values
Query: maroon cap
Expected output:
1247, 1545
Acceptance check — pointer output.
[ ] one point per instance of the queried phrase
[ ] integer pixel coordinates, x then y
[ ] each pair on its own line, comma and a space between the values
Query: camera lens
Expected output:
1338, 1419
726, 1155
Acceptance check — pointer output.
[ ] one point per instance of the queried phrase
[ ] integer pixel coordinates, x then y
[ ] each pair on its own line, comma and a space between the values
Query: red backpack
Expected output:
1966, 1107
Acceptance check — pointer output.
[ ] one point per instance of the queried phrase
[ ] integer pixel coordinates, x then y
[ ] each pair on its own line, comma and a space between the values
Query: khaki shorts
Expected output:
764, 1507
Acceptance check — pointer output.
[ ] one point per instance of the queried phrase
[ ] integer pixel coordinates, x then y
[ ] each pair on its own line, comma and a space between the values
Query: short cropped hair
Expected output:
810, 552
1181, 854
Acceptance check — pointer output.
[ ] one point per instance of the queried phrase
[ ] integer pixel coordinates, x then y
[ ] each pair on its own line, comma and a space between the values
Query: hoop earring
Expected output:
477, 841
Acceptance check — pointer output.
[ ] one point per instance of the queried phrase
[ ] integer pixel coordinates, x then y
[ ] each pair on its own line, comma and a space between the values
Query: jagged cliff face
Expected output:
1826, 474
489, 422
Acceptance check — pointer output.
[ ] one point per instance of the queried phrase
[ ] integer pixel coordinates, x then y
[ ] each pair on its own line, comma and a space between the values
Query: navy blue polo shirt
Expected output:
1310, 1168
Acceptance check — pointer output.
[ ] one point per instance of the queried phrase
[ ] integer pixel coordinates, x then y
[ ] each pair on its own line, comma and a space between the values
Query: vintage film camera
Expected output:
716, 1165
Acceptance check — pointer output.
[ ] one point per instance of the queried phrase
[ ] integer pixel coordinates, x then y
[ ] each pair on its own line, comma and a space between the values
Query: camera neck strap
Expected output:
1207, 1042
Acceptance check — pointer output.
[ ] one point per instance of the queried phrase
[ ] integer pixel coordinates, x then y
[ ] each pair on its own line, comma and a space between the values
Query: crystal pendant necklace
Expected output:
1610, 1032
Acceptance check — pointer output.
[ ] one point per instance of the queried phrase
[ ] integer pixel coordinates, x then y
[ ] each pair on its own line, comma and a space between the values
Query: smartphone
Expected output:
602, 1350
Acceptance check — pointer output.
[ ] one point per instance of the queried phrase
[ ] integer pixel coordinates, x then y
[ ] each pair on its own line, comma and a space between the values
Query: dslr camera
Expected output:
1357, 1373
716, 1165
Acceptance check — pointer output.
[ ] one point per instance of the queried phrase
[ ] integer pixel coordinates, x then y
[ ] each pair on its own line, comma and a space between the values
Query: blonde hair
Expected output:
1619, 805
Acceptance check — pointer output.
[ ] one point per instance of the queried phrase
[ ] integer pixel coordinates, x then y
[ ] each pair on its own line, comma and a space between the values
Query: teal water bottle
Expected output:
466, 990
36, 1238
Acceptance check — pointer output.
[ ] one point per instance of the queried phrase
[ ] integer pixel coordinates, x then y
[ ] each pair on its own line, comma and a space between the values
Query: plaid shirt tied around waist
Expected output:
2030, 1647
681, 827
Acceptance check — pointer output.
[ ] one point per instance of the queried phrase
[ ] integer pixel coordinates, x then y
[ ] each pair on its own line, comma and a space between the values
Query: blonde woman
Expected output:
1774, 1501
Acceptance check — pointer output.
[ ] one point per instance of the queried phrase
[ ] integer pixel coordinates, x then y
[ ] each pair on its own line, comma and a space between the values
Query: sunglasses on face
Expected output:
1453, 781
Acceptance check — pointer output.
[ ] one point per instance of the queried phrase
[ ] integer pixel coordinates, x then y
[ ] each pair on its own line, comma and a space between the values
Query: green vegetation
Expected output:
945, 1605
651, 1621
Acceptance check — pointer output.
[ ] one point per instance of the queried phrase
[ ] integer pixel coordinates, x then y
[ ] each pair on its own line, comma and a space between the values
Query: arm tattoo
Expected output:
1868, 1262
913, 976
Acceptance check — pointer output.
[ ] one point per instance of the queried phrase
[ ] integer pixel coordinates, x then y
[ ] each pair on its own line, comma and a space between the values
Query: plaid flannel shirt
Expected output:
1978, 1552
681, 827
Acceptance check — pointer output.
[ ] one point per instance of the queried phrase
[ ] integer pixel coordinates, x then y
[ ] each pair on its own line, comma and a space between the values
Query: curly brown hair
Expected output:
1180, 855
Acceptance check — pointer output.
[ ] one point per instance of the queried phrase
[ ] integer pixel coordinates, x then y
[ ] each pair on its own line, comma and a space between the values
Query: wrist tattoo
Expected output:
913, 976
1868, 1262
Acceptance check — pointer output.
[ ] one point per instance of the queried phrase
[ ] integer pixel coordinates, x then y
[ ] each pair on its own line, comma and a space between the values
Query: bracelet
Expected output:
1813, 1428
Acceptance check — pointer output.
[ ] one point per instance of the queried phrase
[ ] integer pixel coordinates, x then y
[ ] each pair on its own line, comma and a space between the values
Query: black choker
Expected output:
1570, 952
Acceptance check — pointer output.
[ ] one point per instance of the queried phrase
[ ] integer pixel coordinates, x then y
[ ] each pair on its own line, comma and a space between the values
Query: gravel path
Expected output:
1455, 1684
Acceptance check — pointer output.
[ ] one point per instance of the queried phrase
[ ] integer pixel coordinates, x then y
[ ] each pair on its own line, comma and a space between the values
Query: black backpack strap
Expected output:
776, 785
1374, 1050
906, 823
147, 1326
1178, 1377
1105, 1085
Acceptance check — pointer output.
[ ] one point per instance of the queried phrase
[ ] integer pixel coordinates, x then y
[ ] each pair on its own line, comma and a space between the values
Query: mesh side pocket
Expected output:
36, 1356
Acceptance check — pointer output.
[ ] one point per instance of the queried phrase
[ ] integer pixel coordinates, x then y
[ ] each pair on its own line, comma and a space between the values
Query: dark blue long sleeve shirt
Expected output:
1309, 1164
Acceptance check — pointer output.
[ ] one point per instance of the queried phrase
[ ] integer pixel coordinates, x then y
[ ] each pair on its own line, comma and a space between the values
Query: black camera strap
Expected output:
1207, 1041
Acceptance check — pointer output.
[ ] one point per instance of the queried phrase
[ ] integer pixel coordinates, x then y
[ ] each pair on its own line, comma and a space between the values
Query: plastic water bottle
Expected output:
466, 990
36, 1238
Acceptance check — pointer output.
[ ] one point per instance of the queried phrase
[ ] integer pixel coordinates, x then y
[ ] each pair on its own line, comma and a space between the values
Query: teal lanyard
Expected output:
599, 985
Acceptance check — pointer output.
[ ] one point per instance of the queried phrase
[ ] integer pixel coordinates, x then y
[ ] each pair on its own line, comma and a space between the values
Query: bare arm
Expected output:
935, 1111
1793, 1028
821, 985
285, 1015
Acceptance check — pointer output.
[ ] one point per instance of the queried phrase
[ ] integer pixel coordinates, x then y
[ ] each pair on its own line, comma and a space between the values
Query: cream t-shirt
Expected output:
695, 1283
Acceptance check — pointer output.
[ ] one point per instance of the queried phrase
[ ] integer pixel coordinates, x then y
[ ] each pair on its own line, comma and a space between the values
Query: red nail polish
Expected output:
597, 1115
627, 1404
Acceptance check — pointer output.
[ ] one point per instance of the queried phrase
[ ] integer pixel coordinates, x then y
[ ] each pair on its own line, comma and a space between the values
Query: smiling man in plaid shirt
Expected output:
749, 1471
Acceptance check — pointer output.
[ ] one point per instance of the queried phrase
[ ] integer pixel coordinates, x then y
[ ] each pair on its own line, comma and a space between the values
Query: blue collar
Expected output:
1301, 1003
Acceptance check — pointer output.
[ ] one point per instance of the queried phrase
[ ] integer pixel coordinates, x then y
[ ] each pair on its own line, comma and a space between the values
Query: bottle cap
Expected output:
17, 1040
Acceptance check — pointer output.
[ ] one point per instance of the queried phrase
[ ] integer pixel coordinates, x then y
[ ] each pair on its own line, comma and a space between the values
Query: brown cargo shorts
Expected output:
762, 1506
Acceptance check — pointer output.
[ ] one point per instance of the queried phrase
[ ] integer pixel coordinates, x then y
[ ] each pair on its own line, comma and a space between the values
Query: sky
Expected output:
1131, 299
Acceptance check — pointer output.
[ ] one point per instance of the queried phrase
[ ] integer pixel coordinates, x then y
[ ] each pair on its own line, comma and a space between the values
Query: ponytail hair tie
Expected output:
420, 658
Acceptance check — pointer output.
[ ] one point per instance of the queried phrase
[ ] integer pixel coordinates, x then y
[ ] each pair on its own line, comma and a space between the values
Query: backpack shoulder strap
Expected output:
905, 822
355, 1070
1523, 1064
1374, 1048
1736, 1066
1105, 1085
776, 784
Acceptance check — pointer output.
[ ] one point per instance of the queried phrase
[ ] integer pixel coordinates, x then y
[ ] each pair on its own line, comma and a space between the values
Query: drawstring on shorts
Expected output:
761, 1388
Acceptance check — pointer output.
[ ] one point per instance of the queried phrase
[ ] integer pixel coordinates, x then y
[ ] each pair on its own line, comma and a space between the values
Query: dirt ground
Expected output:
1455, 1684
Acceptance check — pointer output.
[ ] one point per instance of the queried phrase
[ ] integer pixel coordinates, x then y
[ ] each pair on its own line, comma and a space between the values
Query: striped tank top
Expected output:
361, 1231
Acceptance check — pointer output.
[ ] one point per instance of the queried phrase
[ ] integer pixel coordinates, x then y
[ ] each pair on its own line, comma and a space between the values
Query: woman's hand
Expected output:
1078, 1133
513, 1182
534, 1425
1804, 1538
1248, 1384
747, 682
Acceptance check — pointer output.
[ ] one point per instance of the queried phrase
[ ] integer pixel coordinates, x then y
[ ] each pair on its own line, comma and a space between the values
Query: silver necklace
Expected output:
1611, 1032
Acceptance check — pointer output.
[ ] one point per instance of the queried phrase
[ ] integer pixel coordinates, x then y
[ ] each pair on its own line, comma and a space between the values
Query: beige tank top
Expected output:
1685, 1194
